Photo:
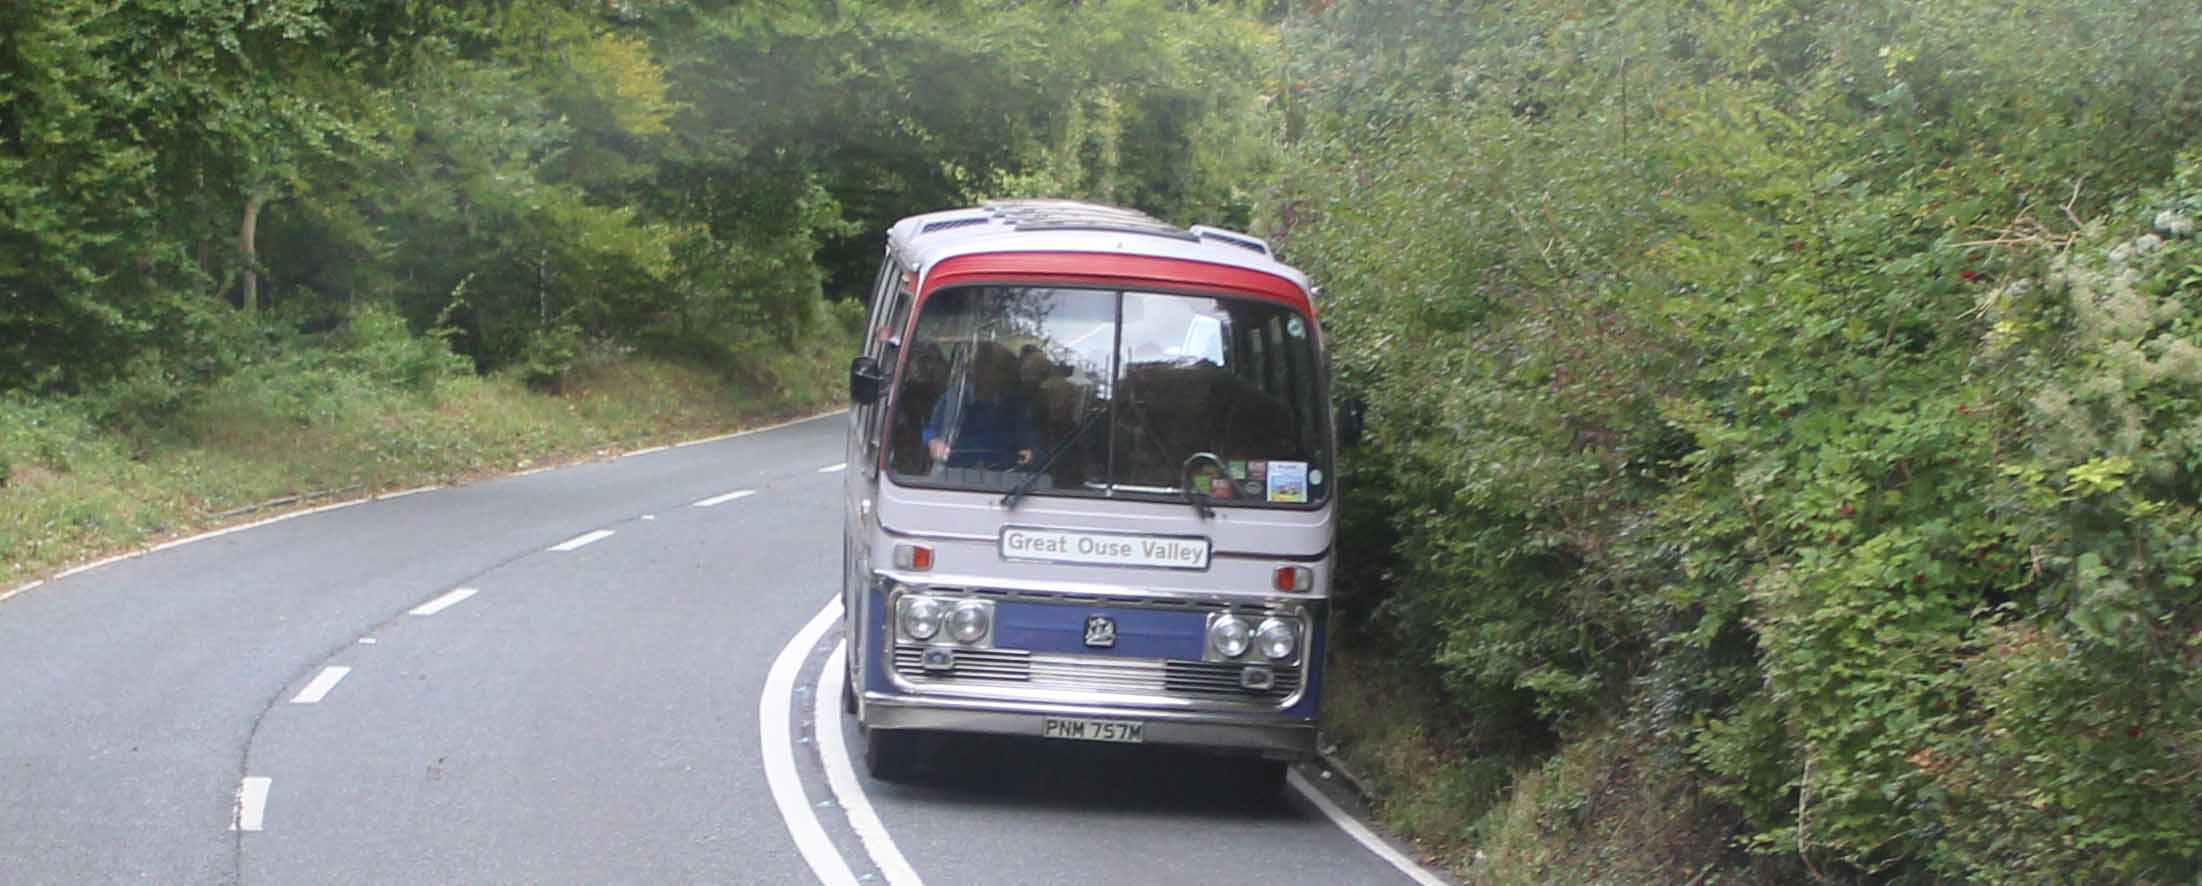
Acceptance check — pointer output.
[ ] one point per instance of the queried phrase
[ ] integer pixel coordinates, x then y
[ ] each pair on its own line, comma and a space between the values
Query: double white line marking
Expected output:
774, 712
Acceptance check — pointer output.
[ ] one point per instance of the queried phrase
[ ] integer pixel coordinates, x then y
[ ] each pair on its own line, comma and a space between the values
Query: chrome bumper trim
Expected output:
1283, 739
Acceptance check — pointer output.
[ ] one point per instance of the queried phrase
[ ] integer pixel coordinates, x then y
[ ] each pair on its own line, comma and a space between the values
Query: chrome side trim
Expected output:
935, 536
1097, 595
1316, 557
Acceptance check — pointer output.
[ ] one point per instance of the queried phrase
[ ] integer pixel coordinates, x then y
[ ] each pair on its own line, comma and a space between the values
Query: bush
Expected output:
377, 342
1797, 383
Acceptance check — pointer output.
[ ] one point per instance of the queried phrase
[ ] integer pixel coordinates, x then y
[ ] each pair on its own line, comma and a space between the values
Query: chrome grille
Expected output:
1093, 673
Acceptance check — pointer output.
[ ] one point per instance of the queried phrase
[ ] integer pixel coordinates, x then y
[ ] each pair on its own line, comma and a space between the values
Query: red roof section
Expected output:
1112, 270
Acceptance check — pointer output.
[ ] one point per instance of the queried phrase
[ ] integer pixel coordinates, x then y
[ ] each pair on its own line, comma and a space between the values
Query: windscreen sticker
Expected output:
1315, 477
1296, 328
1222, 487
1288, 481
1236, 468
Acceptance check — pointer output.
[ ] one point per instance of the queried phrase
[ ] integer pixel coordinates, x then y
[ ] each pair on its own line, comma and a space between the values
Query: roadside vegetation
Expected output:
340, 421
1786, 432
256, 250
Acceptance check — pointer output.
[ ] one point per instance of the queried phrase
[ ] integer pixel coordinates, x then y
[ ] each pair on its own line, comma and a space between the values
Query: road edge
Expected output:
217, 530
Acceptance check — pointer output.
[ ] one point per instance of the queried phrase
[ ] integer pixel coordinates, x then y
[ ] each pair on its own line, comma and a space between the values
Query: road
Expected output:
606, 673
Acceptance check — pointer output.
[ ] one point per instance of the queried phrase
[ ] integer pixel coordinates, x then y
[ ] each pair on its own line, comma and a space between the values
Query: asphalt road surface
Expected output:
607, 673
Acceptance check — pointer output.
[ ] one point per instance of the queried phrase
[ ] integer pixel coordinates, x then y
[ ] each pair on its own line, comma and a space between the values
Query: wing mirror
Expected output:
1352, 420
866, 380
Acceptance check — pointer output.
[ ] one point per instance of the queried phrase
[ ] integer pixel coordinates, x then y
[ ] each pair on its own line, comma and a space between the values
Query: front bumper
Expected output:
1270, 737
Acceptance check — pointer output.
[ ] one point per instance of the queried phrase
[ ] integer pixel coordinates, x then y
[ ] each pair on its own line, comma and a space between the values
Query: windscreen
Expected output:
1112, 393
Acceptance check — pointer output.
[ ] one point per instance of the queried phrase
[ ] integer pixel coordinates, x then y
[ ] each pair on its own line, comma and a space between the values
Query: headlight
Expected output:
1229, 635
1277, 639
970, 621
921, 617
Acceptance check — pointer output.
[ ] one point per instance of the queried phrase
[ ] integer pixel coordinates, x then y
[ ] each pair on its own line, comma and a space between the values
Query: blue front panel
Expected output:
1140, 633
1311, 693
875, 660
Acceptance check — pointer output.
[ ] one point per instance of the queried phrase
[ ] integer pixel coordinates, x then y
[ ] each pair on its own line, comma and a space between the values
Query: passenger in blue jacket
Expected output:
984, 420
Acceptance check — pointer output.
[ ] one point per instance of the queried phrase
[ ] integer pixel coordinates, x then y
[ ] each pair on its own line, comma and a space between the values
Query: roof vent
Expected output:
1247, 242
1066, 215
950, 224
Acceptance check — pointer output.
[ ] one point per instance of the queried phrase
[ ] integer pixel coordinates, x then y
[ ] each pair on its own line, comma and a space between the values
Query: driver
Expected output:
983, 421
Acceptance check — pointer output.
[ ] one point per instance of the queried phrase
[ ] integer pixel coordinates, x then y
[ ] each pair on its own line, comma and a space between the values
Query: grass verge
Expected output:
74, 489
1602, 807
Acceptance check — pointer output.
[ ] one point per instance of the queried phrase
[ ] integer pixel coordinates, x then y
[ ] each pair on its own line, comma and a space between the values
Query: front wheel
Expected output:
890, 754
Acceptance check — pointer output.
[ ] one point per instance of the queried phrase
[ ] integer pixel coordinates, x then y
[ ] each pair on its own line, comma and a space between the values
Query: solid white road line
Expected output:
322, 683
345, 504
646, 451
786, 424
832, 468
252, 804
19, 590
1361, 834
584, 539
773, 711
203, 536
841, 775
446, 601
405, 492
723, 499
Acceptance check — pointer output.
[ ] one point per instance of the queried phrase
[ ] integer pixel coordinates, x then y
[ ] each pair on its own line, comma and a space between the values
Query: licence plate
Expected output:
1125, 731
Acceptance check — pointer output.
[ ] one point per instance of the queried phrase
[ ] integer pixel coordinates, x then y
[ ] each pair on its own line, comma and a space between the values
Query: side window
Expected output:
890, 313
881, 301
886, 338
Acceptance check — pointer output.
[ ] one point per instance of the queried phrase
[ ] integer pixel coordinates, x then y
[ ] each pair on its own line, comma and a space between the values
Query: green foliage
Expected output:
541, 180
1795, 377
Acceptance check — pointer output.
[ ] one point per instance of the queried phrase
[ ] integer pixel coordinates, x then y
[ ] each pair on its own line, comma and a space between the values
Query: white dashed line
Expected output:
446, 601
832, 468
1361, 834
366, 641
773, 712
580, 540
322, 683
841, 776
723, 499
252, 804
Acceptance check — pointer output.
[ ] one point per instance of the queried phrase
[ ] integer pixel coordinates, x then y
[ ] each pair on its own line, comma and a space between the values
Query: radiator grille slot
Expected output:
1092, 673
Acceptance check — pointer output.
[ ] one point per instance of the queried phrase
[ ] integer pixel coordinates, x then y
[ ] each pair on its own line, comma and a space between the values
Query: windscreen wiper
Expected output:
1195, 497
1017, 493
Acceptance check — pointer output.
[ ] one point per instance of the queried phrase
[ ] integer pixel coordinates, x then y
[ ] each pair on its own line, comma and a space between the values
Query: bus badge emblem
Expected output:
1100, 631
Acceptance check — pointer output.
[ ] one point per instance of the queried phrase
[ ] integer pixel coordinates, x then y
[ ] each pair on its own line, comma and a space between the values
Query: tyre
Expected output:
890, 754
848, 697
